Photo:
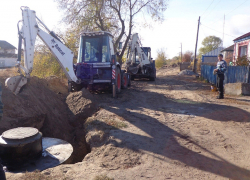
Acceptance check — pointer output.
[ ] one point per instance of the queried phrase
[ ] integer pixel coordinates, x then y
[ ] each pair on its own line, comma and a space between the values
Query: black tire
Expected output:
118, 80
129, 80
73, 87
132, 78
124, 80
152, 78
114, 91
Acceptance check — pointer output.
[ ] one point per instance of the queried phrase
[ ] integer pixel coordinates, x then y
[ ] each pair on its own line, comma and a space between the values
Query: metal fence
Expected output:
233, 74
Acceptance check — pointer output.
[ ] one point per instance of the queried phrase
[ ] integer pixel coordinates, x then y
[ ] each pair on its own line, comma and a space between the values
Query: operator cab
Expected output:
94, 64
95, 47
147, 51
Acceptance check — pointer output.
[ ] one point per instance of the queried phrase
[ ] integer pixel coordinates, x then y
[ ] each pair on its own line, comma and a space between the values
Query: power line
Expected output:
218, 31
207, 7
237, 7
213, 8
230, 11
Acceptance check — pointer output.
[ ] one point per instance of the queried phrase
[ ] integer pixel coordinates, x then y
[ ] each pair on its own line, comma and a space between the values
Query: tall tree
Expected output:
116, 16
210, 43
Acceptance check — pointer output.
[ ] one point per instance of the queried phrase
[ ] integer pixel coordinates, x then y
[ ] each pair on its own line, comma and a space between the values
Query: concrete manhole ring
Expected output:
20, 133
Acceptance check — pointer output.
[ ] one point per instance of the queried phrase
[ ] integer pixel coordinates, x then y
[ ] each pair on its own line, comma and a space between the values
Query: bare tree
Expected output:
187, 56
116, 16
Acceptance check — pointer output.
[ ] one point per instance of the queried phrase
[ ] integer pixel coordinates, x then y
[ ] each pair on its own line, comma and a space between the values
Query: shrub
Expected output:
243, 61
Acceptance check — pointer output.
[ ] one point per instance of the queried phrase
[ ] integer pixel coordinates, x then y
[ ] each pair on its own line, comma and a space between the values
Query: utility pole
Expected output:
195, 60
181, 52
223, 31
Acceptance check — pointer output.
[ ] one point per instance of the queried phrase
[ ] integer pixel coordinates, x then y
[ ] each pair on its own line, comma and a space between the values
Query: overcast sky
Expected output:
180, 25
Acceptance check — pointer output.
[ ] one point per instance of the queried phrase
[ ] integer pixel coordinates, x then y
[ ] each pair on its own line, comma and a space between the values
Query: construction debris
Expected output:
186, 72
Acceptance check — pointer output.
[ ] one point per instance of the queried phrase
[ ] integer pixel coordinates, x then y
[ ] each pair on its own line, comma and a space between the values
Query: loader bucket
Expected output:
15, 83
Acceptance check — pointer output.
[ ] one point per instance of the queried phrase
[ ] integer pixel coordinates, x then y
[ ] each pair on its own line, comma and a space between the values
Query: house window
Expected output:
243, 51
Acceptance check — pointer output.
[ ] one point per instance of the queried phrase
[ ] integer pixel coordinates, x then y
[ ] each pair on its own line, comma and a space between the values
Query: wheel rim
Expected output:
119, 81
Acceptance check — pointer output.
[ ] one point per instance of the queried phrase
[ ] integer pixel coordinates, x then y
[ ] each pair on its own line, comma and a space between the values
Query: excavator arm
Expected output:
139, 63
27, 37
135, 52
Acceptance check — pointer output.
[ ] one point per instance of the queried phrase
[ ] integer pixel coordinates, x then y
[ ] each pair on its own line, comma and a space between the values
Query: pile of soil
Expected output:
41, 104
82, 105
56, 85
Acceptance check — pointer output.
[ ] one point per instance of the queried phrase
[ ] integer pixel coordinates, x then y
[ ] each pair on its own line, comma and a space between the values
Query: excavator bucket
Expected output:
15, 83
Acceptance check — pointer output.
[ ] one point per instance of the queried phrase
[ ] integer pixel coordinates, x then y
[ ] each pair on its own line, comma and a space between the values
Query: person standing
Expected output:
220, 70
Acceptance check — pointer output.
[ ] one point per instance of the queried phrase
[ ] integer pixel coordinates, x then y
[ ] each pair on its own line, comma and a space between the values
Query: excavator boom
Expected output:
139, 63
27, 37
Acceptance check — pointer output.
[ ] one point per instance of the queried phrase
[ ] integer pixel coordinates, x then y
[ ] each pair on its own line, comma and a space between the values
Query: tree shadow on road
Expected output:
163, 140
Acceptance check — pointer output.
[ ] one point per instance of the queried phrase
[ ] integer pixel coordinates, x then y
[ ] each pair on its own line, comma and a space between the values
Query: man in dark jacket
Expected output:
220, 70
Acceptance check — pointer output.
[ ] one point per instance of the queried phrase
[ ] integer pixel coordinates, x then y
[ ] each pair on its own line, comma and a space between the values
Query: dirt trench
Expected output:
173, 128
46, 105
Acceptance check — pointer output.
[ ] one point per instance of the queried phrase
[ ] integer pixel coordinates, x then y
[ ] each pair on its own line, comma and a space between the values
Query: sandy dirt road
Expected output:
172, 128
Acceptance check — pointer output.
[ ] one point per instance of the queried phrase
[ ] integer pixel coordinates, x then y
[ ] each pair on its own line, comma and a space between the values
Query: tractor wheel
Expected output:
73, 87
124, 80
152, 78
118, 80
129, 80
114, 91
132, 78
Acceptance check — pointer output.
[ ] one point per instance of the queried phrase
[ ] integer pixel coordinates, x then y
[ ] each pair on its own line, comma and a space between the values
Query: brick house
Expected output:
7, 55
241, 47
228, 53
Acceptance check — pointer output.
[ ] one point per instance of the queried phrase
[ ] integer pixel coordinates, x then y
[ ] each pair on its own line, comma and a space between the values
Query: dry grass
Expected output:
115, 123
37, 175
103, 177
111, 123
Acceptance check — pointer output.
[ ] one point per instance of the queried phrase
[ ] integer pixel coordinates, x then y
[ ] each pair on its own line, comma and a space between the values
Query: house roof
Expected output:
6, 45
215, 52
230, 48
242, 37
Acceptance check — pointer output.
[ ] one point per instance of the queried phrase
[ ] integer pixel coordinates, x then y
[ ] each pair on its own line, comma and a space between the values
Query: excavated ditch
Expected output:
46, 105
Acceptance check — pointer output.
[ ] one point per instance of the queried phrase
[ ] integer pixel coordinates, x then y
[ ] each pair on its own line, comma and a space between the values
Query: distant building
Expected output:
228, 53
241, 46
7, 55
212, 56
